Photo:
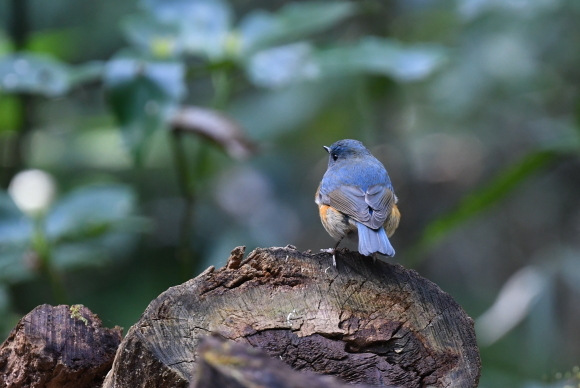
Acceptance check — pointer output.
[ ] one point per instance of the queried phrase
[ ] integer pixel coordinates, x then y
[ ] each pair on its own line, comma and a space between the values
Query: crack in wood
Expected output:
363, 322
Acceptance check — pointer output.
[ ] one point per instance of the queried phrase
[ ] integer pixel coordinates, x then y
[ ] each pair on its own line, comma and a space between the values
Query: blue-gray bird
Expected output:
356, 199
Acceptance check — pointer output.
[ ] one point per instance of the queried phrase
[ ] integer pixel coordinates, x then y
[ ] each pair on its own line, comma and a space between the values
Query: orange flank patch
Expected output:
392, 222
323, 209
395, 212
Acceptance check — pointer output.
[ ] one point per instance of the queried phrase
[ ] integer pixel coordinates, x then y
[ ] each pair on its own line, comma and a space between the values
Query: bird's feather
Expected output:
371, 241
370, 208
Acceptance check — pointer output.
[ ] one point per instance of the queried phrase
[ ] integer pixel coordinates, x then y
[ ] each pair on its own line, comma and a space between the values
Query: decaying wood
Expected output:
59, 346
363, 321
228, 364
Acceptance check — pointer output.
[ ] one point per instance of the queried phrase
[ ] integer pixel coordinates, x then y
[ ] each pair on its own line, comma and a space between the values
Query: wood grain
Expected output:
228, 364
363, 321
58, 346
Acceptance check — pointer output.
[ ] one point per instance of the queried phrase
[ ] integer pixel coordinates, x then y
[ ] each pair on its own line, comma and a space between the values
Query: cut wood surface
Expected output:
58, 346
363, 322
228, 364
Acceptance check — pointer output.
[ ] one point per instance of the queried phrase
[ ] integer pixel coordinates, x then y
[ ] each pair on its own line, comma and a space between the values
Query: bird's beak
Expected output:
326, 148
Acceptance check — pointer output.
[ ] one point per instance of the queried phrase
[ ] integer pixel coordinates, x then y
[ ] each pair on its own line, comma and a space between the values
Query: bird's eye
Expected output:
334, 156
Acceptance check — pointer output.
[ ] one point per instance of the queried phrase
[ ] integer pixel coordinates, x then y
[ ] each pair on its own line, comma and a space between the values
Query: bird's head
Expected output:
345, 150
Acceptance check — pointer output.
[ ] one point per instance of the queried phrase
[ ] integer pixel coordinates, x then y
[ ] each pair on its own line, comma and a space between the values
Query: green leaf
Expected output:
260, 29
154, 37
269, 113
15, 227
88, 212
40, 74
281, 66
486, 197
93, 225
193, 27
386, 57
15, 236
142, 95
32, 73
87, 72
94, 251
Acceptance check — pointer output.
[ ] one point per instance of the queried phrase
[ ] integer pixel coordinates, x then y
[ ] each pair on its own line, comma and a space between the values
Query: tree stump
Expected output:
228, 364
59, 346
363, 321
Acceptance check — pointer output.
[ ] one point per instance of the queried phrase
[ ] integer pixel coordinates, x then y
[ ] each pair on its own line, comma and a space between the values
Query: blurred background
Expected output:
141, 141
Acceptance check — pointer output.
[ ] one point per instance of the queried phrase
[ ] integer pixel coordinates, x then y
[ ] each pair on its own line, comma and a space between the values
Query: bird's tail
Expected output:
373, 240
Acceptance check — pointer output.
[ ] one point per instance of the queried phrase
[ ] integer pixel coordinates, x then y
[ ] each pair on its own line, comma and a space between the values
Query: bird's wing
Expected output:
381, 200
370, 208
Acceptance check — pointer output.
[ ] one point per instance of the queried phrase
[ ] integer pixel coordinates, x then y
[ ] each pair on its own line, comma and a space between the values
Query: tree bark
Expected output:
60, 346
365, 322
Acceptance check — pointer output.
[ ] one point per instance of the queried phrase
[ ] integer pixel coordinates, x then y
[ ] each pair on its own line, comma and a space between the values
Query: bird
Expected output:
356, 199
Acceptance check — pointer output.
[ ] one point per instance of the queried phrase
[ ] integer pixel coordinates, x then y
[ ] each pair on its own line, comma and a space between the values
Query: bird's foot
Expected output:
333, 252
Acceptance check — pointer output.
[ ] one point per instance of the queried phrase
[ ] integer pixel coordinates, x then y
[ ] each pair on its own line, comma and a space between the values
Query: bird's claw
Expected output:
333, 252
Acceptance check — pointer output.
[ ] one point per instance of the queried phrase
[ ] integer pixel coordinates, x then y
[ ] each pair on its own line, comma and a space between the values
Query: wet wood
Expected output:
58, 346
364, 322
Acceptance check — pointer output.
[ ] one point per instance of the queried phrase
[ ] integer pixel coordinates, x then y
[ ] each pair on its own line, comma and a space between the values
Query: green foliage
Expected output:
373, 55
261, 29
143, 89
9, 113
42, 74
142, 95
89, 211
185, 27
88, 227
171, 43
5, 44
491, 78
143, 92
298, 62
480, 200
61, 43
